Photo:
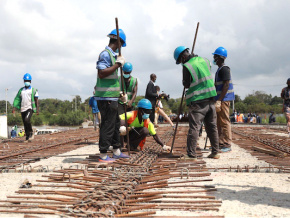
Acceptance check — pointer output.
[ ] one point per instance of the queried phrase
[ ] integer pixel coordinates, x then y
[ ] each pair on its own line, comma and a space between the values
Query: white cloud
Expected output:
58, 42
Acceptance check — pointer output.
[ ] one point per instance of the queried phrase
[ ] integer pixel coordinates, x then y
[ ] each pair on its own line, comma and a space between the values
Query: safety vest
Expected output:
240, 118
130, 89
202, 85
146, 124
18, 99
230, 96
108, 86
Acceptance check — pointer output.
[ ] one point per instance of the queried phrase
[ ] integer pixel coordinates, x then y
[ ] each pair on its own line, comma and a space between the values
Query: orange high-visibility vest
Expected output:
146, 124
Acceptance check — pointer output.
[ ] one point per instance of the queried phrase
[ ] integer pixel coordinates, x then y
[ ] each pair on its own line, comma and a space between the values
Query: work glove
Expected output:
122, 130
166, 148
123, 98
120, 60
218, 106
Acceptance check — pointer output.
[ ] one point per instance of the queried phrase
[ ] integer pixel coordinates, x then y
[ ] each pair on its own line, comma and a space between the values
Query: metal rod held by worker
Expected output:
180, 106
122, 85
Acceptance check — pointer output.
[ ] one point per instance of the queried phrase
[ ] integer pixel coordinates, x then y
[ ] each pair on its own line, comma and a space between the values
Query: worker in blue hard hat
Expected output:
199, 98
130, 88
27, 101
140, 126
285, 95
225, 94
107, 94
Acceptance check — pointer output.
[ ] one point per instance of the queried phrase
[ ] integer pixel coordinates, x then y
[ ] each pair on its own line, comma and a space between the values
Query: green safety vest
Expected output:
130, 89
109, 86
202, 85
18, 99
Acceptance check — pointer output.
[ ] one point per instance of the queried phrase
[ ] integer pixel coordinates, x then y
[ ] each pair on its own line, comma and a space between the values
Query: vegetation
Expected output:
73, 113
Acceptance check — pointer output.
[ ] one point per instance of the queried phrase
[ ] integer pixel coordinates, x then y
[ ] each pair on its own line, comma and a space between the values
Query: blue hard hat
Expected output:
221, 51
122, 35
128, 67
27, 76
144, 103
177, 52
288, 80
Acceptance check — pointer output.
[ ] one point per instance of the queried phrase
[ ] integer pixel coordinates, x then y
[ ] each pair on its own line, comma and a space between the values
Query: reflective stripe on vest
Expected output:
202, 85
230, 95
108, 86
146, 124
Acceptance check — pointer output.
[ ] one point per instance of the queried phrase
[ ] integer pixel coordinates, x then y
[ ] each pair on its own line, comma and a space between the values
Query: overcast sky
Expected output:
58, 42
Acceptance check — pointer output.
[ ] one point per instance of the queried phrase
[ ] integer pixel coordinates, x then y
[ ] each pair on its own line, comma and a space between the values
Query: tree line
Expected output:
73, 113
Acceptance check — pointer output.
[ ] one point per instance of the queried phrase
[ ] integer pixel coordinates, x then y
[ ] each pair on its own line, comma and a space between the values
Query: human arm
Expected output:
133, 95
163, 114
225, 76
105, 66
283, 93
186, 77
226, 85
158, 140
37, 105
108, 71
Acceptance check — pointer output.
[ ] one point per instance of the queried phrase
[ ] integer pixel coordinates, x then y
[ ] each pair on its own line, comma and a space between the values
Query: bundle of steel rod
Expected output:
270, 147
148, 183
16, 152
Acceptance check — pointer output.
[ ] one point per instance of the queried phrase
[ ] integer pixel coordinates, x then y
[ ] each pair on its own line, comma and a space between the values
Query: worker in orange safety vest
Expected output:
140, 126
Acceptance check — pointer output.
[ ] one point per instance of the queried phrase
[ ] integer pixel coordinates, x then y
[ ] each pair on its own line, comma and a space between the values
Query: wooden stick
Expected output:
180, 106
122, 84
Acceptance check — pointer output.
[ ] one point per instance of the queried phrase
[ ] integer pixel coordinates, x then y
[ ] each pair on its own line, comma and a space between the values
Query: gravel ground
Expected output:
243, 194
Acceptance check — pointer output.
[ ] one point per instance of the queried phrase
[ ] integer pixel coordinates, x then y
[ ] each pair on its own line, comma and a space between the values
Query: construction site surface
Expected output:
58, 175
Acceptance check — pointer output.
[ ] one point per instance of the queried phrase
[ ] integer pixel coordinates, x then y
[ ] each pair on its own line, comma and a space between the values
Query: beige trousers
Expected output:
224, 125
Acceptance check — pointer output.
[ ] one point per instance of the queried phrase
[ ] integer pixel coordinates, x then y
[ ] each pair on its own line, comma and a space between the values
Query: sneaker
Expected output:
225, 149
214, 156
122, 155
107, 160
189, 157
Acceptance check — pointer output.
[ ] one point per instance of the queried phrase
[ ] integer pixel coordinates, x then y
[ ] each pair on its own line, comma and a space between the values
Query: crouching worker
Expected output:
140, 126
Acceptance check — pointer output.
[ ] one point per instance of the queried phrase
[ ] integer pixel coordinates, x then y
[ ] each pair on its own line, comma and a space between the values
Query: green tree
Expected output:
276, 100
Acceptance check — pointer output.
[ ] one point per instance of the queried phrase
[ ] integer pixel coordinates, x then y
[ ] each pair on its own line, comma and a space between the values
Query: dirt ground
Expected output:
242, 194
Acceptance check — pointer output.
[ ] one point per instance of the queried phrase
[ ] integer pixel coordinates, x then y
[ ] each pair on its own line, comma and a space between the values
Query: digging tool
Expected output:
122, 84
180, 107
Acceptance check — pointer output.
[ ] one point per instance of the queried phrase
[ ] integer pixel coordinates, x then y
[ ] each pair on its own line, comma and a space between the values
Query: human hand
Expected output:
124, 98
166, 148
122, 130
120, 60
130, 103
218, 106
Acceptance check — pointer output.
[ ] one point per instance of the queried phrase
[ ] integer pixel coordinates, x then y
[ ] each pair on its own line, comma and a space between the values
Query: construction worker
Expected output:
107, 94
225, 94
285, 95
199, 98
140, 126
159, 111
13, 133
95, 110
21, 133
151, 94
27, 100
130, 86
